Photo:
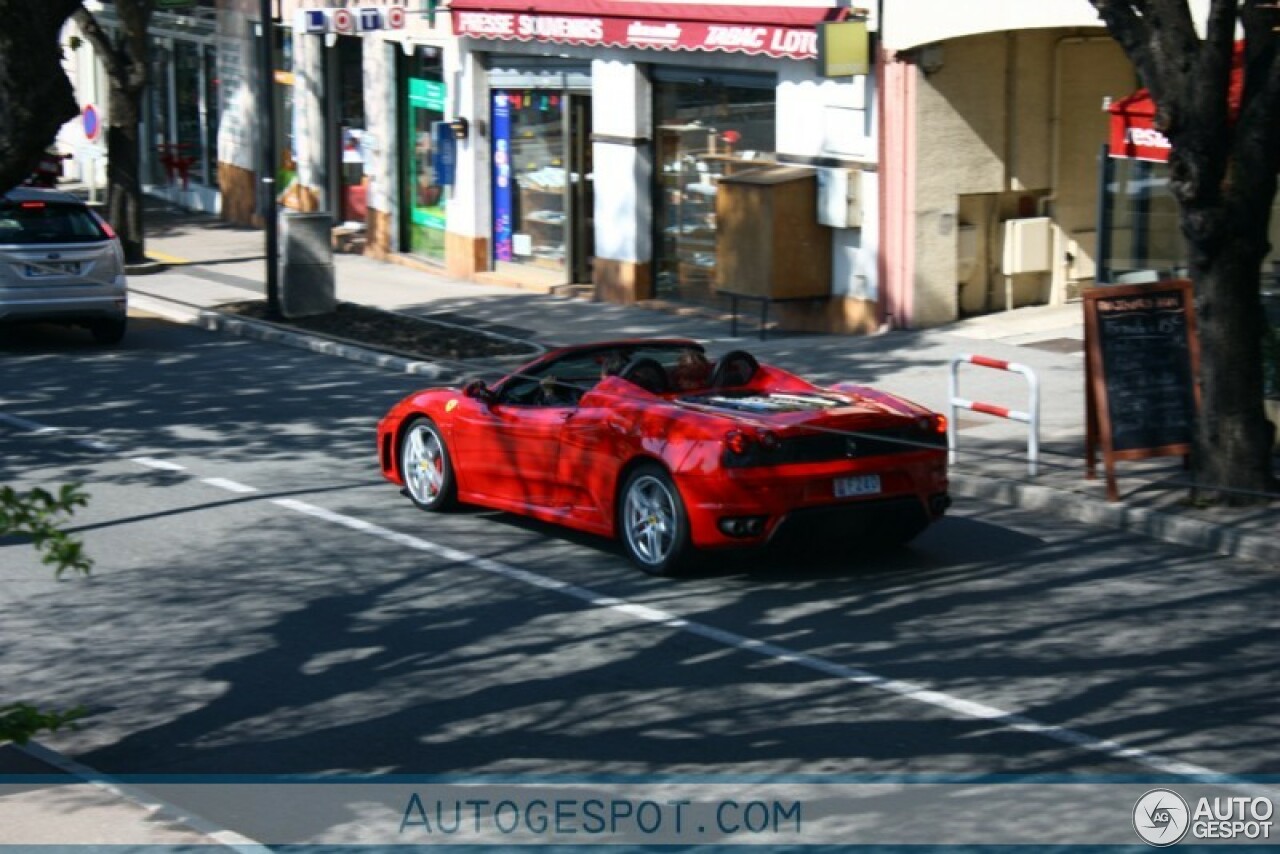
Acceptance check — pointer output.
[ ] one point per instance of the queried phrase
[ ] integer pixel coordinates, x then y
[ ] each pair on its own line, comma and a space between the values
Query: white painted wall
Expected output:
622, 99
832, 120
379, 67
470, 211
310, 130
820, 117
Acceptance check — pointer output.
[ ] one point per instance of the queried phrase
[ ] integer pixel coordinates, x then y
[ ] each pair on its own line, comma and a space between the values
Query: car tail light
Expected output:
106, 226
738, 442
31, 205
939, 424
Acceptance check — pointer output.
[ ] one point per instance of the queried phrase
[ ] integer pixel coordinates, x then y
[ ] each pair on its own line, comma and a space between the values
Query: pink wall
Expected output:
897, 95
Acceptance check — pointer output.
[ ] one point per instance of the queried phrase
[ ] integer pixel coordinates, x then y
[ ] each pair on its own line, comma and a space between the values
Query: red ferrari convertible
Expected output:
651, 442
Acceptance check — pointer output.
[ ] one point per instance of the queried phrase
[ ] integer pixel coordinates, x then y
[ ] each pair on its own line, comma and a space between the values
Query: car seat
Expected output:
646, 373
735, 368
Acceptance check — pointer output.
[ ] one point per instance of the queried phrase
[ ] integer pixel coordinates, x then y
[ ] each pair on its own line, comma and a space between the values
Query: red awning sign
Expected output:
621, 32
696, 29
1133, 119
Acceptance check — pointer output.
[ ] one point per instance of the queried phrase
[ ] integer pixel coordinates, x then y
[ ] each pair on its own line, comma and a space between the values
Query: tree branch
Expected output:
112, 57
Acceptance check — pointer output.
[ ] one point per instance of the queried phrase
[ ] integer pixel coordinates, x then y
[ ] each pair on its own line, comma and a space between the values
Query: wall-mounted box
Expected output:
1028, 246
768, 240
840, 198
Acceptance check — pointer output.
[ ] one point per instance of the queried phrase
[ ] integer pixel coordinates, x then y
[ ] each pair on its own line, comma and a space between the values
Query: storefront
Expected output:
543, 194
623, 195
181, 110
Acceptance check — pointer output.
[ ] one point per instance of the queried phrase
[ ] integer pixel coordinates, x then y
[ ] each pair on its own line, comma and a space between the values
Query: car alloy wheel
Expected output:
425, 466
654, 527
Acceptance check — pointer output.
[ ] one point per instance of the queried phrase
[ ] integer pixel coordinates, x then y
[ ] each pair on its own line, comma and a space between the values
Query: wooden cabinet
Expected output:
769, 244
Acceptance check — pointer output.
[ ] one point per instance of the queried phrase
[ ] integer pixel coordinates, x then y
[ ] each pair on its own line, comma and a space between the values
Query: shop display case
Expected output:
542, 218
693, 161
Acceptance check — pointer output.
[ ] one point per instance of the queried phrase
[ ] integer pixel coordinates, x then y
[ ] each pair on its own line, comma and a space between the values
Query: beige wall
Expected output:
911, 23
1009, 125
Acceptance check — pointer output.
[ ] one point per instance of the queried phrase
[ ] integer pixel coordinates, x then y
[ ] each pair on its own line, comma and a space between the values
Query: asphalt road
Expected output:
262, 602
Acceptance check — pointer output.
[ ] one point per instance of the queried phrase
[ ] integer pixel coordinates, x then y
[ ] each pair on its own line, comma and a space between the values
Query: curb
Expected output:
1166, 527
215, 321
145, 268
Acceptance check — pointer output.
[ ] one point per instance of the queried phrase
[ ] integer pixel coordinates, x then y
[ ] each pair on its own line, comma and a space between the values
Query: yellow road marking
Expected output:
166, 258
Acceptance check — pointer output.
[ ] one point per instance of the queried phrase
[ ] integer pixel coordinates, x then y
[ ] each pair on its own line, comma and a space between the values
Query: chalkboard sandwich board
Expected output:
1141, 363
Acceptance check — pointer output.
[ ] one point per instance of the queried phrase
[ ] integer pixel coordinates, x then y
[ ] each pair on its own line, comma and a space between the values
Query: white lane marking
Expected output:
29, 426
907, 690
150, 803
229, 485
153, 463
40, 429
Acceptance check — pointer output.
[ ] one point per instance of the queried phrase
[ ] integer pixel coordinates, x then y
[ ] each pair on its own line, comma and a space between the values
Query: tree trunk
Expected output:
1232, 459
126, 61
35, 95
124, 181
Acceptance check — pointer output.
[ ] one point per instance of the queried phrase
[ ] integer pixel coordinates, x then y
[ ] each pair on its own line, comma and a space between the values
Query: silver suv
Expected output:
60, 262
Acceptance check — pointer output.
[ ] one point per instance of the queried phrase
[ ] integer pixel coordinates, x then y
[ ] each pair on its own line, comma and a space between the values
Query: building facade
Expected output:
601, 133
625, 146
995, 115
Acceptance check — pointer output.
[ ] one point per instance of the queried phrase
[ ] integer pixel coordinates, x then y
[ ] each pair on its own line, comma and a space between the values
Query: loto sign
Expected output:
347, 21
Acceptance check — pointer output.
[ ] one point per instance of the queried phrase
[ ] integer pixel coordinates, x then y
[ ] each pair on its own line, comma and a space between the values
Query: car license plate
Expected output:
863, 484
53, 268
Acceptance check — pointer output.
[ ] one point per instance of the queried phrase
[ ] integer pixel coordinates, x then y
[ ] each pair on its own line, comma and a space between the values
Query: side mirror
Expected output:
478, 390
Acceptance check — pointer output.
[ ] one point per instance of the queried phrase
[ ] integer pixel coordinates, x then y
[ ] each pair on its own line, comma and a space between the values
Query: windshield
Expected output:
579, 370
36, 222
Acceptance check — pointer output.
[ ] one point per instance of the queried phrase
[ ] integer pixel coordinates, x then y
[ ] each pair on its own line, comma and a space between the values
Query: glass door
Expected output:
542, 182
425, 224
530, 214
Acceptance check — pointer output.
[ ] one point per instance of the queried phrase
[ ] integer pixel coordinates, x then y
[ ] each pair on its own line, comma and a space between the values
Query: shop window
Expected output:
354, 186
1144, 241
212, 108
187, 150
426, 214
158, 115
706, 129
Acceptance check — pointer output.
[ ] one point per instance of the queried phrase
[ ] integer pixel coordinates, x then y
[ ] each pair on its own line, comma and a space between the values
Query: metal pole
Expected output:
268, 175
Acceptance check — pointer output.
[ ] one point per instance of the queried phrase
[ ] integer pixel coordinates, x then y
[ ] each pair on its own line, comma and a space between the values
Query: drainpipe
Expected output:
1055, 146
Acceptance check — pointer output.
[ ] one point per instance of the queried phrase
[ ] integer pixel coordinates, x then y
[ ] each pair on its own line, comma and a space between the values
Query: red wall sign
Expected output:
1133, 132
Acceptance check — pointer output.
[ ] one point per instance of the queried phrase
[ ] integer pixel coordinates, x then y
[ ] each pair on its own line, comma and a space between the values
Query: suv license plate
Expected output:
53, 268
863, 484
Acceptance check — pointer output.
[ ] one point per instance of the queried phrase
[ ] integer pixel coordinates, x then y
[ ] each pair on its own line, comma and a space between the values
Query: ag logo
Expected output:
1161, 817
451, 405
